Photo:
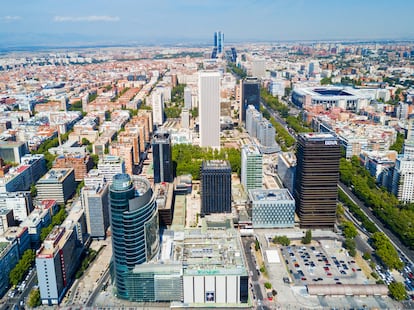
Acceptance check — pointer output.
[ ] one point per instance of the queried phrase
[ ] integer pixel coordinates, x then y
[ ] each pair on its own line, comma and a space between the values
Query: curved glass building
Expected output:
134, 220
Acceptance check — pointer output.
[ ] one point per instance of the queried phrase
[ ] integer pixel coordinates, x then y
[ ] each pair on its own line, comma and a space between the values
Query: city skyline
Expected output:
47, 22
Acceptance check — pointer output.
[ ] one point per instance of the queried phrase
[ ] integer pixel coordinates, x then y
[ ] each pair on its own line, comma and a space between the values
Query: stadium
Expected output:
347, 98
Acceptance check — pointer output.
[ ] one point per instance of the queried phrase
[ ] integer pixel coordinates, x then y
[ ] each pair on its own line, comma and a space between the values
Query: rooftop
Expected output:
55, 175
216, 164
270, 194
316, 136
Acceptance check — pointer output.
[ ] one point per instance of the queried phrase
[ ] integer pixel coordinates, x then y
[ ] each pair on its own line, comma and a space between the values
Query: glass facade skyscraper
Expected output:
250, 95
134, 220
219, 41
162, 158
215, 186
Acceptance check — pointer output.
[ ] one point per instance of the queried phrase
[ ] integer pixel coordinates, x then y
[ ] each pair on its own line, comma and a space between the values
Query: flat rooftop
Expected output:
213, 249
316, 136
216, 164
252, 149
270, 194
55, 175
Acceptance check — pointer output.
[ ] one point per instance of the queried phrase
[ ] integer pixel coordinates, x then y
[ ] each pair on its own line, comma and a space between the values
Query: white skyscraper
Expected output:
209, 108
158, 107
259, 67
187, 98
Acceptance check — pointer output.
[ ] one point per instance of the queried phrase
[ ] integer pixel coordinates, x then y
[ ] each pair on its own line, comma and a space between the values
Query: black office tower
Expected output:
250, 94
317, 174
162, 158
215, 187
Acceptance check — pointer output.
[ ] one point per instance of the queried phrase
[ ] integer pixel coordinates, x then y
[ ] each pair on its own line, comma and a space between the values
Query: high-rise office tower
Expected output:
162, 158
158, 107
316, 179
215, 186
250, 95
251, 167
209, 108
134, 221
219, 41
95, 204
259, 67
187, 98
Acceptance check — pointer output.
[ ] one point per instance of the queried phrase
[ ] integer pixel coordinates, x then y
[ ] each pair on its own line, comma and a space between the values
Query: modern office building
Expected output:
316, 181
215, 186
250, 95
134, 223
96, 205
6, 219
13, 151
156, 282
253, 118
219, 41
158, 107
260, 128
35, 222
259, 67
20, 178
251, 167
20, 202
162, 157
403, 179
164, 193
111, 165
272, 208
215, 273
185, 118
9, 257
266, 135
58, 184
209, 108
188, 100
59, 257
286, 169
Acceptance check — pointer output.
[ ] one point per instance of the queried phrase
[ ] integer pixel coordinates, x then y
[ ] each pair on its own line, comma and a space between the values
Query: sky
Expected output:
194, 21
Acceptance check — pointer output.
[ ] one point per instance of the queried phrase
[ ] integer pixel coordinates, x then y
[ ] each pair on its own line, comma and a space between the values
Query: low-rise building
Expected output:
272, 208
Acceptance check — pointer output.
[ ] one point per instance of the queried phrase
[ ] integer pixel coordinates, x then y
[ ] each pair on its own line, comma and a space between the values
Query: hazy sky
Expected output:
195, 20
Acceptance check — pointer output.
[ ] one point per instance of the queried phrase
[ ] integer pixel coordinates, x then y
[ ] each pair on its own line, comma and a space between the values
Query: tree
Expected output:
85, 141
350, 245
397, 291
268, 285
386, 251
95, 159
34, 298
22, 267
326, 80
33, 190
308, 237
257, 245
366, 256
283, 240
349, 230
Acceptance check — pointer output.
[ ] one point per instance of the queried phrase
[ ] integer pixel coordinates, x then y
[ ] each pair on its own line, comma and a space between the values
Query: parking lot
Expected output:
314, 264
